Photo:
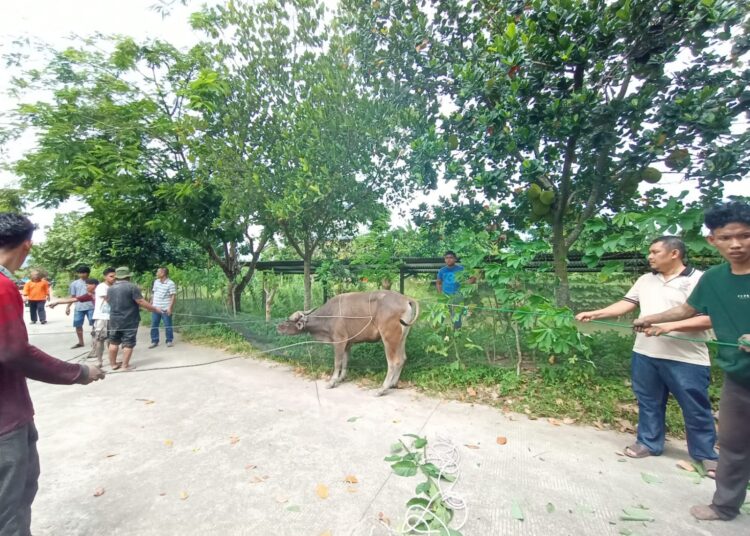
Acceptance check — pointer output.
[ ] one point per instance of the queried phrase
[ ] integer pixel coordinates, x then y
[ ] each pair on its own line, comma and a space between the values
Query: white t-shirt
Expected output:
654, 294
101, 306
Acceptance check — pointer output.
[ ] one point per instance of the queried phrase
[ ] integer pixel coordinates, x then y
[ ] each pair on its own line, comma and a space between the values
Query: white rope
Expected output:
446, 457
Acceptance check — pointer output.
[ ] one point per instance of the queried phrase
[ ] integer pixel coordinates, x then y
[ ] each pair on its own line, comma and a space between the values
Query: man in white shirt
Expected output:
101, 316
163, 296
666, 365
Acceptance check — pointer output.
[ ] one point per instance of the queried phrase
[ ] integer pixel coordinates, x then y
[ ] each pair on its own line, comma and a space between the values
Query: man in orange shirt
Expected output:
36, 293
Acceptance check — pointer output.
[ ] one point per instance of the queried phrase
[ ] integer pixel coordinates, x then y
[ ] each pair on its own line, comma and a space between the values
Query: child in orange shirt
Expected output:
36, 293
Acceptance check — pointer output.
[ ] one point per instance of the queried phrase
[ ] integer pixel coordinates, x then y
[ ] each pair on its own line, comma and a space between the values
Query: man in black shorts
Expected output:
125, 300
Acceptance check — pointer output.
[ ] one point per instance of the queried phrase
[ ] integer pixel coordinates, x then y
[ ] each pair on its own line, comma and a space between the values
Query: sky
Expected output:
55, 21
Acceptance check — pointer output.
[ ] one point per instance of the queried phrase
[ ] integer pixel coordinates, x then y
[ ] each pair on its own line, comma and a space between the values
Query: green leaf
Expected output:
550, 508
636, 514
293, 508
396, 447
352, 419
648, 478
404, 468
516, 512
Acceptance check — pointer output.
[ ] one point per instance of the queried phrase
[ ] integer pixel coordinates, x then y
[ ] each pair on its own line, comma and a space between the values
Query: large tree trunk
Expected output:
560, 261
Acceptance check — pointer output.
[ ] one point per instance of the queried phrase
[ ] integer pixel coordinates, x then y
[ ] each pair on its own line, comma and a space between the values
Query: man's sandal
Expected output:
710, 467
636, 450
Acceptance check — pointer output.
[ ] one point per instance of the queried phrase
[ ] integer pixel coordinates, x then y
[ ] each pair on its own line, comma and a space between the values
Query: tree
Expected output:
11, 200
308, 151
120, 133
559, 109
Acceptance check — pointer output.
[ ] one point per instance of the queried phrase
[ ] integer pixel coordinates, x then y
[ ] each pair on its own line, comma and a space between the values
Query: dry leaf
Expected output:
383, 519
169, 442
233, 440
257, 480
554, 421
352, 489
98, 492
686, 466
502, 440
281, 499
619, 453
162, 494
183, 495
111, 455
321, 490
396, 421
568, 420
250, 466
598, 425
351, 479
326, 533
470, 391
471, 446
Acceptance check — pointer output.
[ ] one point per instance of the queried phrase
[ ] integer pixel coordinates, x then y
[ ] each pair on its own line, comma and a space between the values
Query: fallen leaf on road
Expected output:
686, 466
111, 455
98, 492
568, 420
502, 440
258, 479
550, 508
648, 478
636, 514
396, 421
351, 479
554, 421
468, 446
351, 489
162, 494
281, 499
516, 512
326, 533
183, 495
250, 466
169, 442
383, 519
598, 425
321, 490
352, 419
233, 440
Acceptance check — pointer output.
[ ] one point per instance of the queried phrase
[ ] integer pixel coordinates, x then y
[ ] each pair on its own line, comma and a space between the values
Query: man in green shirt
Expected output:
723, 293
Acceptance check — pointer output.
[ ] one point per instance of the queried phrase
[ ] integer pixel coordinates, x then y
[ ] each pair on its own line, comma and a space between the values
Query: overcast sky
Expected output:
54, 21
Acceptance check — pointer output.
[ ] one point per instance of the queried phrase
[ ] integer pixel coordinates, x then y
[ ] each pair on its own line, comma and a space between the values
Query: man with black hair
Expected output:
82, 310
723, 294
19, 459
662, 366
448, 283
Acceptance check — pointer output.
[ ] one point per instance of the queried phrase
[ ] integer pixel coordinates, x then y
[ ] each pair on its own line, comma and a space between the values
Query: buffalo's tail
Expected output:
414, 305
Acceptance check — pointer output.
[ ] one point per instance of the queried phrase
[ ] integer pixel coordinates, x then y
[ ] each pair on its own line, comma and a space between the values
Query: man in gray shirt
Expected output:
125, 300
82, 310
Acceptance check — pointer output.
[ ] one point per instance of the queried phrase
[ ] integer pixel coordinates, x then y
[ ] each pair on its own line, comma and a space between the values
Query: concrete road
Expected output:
246, 447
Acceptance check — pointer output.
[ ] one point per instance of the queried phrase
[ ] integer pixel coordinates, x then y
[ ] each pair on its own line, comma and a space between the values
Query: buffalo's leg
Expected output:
398, 362
340, 356
345, 362
394, 366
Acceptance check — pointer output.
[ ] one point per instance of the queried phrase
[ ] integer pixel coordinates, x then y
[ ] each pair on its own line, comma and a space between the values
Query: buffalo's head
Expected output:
294, 325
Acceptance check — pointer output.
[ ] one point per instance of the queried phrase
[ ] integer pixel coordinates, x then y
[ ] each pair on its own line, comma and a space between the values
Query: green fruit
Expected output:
547, 197
534, 192
677, 159
651, 175
539, 209
453, 142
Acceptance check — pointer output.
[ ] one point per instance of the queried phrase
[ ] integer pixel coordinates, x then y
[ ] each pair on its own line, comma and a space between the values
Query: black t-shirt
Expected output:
124, 311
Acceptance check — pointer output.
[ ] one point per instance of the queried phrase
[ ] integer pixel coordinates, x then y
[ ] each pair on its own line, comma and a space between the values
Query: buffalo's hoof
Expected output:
331, 384
381, 391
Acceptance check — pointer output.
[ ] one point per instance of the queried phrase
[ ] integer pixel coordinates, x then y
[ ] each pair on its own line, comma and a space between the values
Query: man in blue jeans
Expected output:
666, 365
164, 293
82, 310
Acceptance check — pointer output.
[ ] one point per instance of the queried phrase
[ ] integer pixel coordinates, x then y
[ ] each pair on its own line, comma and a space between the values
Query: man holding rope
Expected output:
19, 459
724, 295
669, 365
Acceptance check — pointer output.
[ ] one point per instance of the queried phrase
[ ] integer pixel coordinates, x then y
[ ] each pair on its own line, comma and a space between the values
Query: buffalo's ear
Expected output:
297, 315
300, 325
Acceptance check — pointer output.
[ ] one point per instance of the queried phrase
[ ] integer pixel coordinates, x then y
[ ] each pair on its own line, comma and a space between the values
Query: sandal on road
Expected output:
636, 450
710, 467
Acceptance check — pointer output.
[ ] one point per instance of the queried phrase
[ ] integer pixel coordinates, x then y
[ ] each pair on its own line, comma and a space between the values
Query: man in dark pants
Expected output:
723, 293
19, 460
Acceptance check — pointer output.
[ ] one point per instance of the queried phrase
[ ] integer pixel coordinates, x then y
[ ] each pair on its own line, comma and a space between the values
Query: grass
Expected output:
596, 393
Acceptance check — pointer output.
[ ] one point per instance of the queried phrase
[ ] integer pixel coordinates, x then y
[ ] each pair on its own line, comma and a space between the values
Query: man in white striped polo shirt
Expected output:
163, 296
661, 366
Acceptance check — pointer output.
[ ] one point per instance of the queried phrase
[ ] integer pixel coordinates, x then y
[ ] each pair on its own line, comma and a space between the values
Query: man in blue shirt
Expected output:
82, 310
448, 283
